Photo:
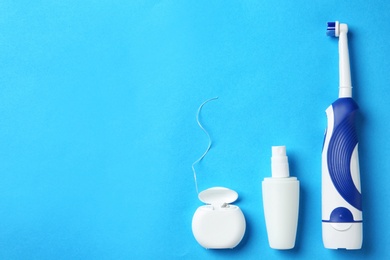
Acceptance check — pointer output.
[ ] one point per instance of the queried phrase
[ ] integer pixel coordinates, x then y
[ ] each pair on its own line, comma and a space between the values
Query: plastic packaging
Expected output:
281, 202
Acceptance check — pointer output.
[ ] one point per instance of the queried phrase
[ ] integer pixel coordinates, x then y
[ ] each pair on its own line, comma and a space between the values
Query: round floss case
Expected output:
218, 224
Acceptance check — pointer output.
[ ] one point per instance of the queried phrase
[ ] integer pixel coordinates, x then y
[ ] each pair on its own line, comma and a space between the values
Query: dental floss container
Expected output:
219, 224
281, 202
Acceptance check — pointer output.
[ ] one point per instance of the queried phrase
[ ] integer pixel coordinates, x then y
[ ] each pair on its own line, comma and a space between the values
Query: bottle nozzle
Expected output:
279, 162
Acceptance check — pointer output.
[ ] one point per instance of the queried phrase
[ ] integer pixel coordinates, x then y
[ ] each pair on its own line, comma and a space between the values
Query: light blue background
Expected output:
98, 132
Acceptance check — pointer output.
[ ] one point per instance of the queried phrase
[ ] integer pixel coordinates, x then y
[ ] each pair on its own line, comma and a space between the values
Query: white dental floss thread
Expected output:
209, 137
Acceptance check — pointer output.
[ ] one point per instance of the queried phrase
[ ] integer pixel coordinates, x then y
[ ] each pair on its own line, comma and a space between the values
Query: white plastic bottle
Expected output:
281, 202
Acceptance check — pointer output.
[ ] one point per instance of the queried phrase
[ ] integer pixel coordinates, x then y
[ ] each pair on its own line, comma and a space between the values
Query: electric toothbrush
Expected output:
341, 193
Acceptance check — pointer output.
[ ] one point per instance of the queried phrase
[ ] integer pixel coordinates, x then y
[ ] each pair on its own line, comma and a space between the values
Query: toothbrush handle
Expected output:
342, 158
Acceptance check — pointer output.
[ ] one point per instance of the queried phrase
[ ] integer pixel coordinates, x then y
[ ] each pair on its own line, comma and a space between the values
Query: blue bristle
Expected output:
330, 33
331, 30
331, 24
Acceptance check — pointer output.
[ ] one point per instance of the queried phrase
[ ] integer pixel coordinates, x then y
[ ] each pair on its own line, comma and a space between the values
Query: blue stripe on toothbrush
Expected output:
342, 143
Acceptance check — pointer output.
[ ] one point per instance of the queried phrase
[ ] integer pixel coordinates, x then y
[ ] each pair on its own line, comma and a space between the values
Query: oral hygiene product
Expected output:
341, 194
281, 202
219, 224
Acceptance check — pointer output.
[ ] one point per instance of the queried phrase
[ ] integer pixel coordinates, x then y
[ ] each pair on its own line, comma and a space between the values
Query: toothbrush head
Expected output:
333, 29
